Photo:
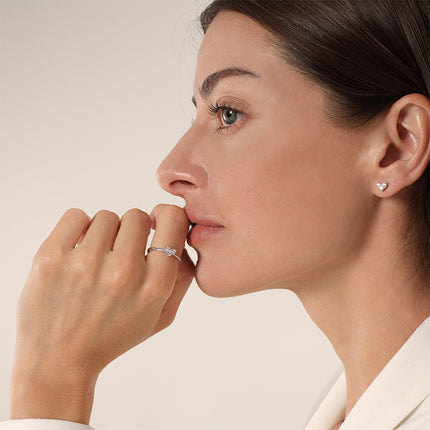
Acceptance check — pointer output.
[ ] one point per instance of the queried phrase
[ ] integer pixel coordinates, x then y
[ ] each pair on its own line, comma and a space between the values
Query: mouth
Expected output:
202, 229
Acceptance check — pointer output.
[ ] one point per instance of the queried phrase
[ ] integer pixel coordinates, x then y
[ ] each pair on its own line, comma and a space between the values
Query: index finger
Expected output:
171, 227
68, 230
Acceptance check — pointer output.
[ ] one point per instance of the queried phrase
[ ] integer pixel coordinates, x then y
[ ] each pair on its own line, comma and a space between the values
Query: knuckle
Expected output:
137, 213
159, 207
124, 270
84, 262
77, 216
76, 213
109, 215
47, 263
156, 294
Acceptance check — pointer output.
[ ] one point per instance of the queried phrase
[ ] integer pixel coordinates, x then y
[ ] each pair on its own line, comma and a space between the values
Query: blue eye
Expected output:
229, 116
226, 115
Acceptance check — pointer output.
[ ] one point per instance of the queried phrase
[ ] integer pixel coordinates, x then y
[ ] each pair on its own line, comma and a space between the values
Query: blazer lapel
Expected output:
399, 389
396, 392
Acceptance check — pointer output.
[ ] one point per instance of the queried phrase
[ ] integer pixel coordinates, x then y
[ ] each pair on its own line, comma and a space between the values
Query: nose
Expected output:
181, 173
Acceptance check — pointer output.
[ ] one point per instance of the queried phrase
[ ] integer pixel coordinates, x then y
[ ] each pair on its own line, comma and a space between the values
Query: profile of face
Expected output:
279, 193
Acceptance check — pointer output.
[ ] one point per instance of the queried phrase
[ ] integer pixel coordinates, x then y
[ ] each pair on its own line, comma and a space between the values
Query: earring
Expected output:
383, 186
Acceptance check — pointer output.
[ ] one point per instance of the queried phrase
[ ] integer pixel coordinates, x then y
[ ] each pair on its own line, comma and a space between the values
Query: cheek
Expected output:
313, 214
291, 213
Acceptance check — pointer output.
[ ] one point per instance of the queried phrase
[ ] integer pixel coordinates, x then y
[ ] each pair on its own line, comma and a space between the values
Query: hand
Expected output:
92, 295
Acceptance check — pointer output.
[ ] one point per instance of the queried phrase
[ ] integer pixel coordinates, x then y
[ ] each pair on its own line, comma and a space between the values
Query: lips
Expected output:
203, 228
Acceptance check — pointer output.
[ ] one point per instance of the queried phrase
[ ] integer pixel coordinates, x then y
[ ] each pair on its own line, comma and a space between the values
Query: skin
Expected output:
297, 200
91, 296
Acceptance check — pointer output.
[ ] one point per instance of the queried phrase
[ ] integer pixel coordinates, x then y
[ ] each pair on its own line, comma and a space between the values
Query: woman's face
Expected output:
279, 195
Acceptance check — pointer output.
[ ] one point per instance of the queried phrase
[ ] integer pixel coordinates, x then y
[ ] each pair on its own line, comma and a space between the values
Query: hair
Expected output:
365, 55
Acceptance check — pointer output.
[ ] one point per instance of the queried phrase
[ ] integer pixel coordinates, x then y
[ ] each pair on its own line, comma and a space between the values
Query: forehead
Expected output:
234, 40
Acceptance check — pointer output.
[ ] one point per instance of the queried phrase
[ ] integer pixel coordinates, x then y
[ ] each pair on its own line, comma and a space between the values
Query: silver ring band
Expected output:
168, 251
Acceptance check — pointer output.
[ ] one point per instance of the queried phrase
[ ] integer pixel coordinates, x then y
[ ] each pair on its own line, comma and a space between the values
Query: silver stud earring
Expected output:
383, 186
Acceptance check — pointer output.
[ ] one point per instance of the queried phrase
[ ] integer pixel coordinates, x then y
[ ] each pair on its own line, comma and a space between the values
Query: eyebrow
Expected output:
210, 83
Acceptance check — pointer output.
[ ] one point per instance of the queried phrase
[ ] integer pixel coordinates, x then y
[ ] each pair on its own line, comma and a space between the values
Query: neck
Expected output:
367, 308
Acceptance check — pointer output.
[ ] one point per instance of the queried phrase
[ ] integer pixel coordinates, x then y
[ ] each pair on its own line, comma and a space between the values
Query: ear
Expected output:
404, 146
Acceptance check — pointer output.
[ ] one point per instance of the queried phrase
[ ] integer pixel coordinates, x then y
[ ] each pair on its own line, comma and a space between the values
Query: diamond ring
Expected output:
170, 252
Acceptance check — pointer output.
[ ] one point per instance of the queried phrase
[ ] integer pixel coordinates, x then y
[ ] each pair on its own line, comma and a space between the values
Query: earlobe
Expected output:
406, 151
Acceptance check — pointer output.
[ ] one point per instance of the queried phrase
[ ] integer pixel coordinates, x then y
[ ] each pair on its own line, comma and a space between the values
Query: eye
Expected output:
226, 115
229, 116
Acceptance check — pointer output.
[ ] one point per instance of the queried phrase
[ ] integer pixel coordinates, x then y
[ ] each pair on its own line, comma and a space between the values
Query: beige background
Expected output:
93, 94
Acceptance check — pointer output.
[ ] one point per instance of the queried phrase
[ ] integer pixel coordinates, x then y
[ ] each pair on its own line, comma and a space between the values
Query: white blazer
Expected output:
398, 399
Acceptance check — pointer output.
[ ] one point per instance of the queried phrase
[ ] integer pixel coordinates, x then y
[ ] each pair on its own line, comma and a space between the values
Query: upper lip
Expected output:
197, 218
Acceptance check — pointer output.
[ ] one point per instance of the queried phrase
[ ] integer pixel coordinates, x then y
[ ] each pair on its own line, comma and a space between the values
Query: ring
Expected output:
168, 251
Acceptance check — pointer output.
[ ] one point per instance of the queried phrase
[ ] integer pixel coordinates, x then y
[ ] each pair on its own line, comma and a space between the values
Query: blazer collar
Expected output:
400, 387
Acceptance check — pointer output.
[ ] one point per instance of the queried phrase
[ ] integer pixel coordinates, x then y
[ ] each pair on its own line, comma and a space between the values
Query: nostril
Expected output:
181, 184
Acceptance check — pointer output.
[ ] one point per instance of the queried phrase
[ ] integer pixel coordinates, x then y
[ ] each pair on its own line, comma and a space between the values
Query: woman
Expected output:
305, 169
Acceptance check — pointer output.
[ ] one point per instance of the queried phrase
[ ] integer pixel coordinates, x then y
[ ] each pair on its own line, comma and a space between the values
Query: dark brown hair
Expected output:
366, 55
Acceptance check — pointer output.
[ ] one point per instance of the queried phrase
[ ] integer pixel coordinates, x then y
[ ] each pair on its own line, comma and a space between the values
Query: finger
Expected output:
102, 231
69, 228
133, 232
183, 281
171, 226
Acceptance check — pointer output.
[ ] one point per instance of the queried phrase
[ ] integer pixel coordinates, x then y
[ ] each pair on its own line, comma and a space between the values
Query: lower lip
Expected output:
202, 233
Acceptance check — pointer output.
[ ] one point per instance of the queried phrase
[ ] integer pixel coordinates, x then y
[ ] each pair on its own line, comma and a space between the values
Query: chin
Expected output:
214, 288
211, 279
213, 284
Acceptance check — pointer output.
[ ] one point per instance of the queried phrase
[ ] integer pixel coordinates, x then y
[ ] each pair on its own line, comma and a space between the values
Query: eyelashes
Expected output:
227, 116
